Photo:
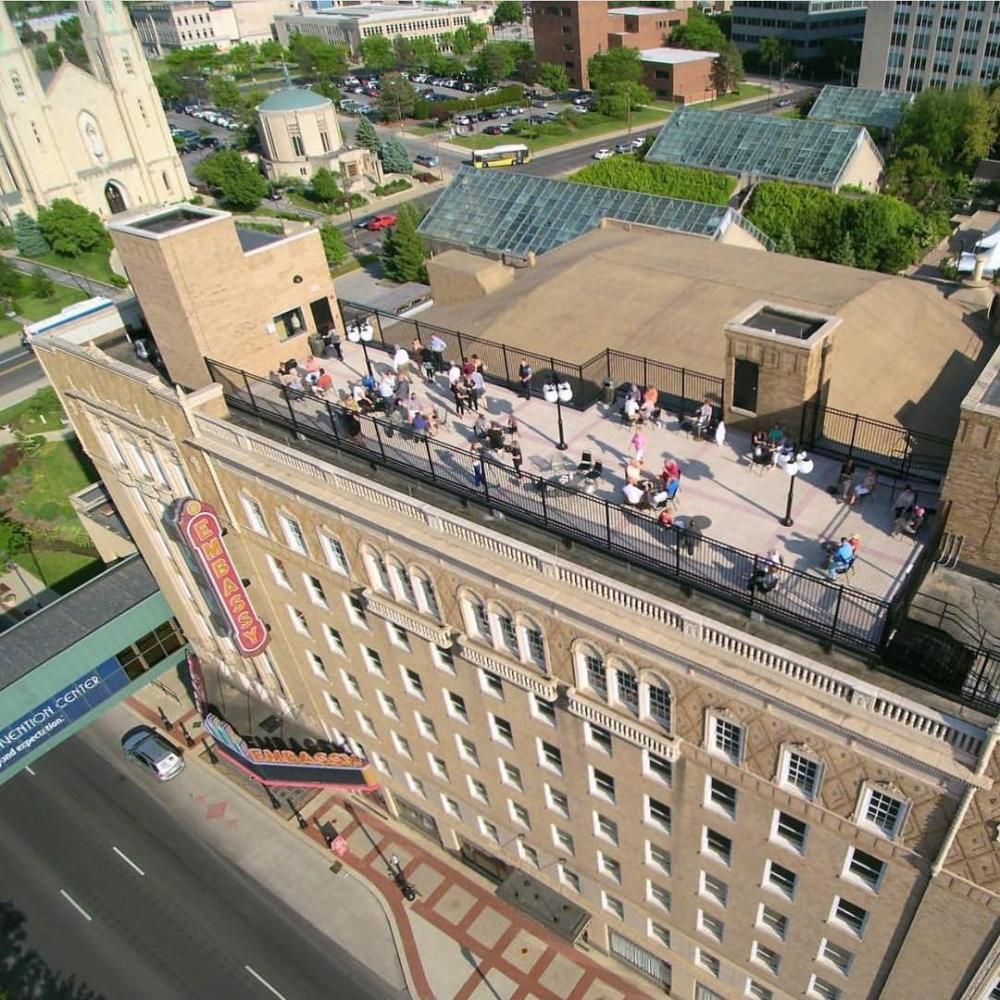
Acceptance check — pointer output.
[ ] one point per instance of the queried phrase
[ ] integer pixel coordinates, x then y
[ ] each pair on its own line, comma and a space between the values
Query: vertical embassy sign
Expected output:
201, 531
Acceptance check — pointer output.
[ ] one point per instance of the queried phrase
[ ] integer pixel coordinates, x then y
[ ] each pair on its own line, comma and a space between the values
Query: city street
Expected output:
107, 890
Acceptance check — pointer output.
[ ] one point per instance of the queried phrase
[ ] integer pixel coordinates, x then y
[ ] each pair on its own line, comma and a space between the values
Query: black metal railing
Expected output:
823, 610
888, 447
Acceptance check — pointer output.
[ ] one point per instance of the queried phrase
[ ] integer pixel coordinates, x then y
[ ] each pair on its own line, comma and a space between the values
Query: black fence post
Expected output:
291, 409
684, 394
506, 367
607, 360
753, 583
461, 348
908, 454
836, 615
854, 436
378, 438
430, 460
607, 522
802, 428
246, 381
416, 327
645, 371
333, 421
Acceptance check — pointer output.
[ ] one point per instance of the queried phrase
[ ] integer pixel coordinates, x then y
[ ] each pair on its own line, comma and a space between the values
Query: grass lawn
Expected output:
588, 126
36, 493
790, 113
352, 263
747, 90
8, 326
36, 309
40, 412
93, 264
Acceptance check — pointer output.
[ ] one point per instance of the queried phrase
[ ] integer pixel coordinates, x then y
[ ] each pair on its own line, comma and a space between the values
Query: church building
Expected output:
99, 138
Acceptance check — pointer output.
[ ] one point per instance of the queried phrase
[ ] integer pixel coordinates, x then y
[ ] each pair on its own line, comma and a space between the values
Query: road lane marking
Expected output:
76, 906
260, 979
28, 769
127, 860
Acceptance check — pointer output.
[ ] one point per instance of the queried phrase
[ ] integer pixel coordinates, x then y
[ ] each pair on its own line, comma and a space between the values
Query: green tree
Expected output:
242, 185
317, 58
14, 539
377, 53
366, 136
225, 94
395, 157
508, 12
916, 178
698, 32
424, 51
200, 60
554, 77
324, 185
334, 244
774, 52
28, 236
844, 253
614, 66
69, 38
244, 58
403, 249
168, 87
71, 229
619, 100
272, 51
495, 62
41, 285
396, 97
786, 242
11, 282
477, 33
727, 69
403, 49
460, 43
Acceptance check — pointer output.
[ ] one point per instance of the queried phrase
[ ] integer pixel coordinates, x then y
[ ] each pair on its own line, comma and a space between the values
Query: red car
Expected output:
380, 222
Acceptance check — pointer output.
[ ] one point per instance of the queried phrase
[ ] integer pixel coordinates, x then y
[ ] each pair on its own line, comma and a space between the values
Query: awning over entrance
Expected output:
545, 905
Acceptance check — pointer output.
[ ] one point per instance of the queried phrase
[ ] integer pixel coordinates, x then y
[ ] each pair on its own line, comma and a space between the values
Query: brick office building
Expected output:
680, 75
738, 812
568, 34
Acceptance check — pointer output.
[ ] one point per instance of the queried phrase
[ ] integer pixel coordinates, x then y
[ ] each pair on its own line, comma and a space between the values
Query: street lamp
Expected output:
361, 330
794, 467
558, 391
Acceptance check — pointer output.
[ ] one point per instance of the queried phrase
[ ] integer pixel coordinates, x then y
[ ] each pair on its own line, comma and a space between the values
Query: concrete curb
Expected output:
385, 906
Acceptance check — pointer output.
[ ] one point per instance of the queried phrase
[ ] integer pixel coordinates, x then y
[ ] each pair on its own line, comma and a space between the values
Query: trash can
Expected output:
316, 345
607, 391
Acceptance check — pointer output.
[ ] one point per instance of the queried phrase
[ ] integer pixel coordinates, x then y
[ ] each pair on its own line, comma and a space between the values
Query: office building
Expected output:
349, 25
569, 34
736, 809
804, 25
909, 46
164, 26
98, 138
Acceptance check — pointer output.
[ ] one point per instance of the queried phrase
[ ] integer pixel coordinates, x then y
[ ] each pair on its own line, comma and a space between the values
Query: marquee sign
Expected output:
290, 767
202, 533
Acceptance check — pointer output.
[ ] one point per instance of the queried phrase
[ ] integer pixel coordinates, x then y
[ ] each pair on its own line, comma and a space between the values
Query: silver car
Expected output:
150, 751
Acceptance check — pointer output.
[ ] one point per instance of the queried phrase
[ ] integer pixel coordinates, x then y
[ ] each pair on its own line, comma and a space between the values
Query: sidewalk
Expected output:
457, 941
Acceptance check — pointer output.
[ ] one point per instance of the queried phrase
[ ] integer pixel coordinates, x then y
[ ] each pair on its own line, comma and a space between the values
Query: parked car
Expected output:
493, 130
623, 147
462, 120
425, 160
539, 104
153, 753
379, 222
638, 141
581, 100
583, 109
784, 102
468, 88
489, 91
420, 78
603, 153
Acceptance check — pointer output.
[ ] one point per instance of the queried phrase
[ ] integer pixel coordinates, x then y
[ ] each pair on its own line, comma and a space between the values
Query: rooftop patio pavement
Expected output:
731, 503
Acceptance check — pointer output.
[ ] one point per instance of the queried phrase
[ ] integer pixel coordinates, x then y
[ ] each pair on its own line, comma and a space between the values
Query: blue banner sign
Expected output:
73, 702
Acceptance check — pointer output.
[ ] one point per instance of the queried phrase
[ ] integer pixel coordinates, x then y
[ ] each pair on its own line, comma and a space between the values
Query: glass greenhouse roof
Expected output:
490, 209
882, 108
782, 148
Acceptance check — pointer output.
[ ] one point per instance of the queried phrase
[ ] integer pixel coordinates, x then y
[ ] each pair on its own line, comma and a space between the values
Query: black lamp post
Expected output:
793, 468
361, 330
558, 391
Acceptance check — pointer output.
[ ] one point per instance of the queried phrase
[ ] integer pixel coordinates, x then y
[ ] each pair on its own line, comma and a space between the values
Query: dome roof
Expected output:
293, 99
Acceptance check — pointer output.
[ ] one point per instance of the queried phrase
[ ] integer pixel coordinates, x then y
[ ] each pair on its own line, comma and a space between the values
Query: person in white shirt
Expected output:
631, 410
634, 495
437, 347
401, 361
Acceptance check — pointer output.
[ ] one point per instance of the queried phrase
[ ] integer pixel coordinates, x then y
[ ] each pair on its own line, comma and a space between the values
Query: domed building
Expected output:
300, 134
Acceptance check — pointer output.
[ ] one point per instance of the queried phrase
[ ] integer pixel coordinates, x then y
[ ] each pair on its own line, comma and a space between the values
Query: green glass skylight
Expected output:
857, 105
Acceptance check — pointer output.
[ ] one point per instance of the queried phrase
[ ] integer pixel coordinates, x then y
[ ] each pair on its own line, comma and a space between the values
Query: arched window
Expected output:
505, 632
625, 685
532, 642
477, 621
115, 198
426, 595
92, 138
166, 181
378, 575
656, 700
399, 580
592, 672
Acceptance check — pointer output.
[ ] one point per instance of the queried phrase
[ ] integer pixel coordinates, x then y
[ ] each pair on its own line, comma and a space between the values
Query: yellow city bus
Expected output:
500, 156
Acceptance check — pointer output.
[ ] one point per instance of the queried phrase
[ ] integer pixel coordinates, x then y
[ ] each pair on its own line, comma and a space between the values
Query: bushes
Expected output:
393, 187
884, 233
629, 174
263, 227
424, 109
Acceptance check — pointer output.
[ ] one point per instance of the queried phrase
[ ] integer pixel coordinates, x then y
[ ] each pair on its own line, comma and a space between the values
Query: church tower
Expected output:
117, 60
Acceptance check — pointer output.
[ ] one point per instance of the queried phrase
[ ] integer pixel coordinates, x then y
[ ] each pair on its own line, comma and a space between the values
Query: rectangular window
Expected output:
455, 704
402, 745
426, 727
658, 894
508, 635
657, 813
443, 659
801, 773
543, 710
658, 857
367, 726
758, 991
501, 730
388, 704
789, 831
467, 751
536, 646
606, 829
333, 639
597, 675
478, 790
451, 807
550, 757
722, 797
299, 622
563, 840
316, 663
279, 572
373, 662
883, 812
293, 534
569, 878
413, 684
315, 588
658, 767
839, 958
519, 814
557, 801
397, 636
767, 957
773, 921
708, 962
613, 905
865, 868
727, 740
852, 917
491, 684
658, 932
628, 691
602, 784
713, 888
717, 845
255, 515
356, 610
529, 854
609, 866
659, 704
600, 738
336, 557
511, 775
381, 764
822, 990
780, 878
711, 925
333, 704
489, 830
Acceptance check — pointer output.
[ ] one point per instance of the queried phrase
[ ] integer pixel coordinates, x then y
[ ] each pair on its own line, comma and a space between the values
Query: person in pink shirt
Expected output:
637, 445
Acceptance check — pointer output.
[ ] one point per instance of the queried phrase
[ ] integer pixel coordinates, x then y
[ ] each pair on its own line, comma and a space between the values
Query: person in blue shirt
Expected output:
841, 559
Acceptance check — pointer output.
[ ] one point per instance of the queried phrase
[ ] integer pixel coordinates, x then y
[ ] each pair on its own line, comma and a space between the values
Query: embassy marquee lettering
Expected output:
290, 767
202, 533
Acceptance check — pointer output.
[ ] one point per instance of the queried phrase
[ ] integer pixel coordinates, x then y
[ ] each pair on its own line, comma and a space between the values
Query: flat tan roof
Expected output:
903, 352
